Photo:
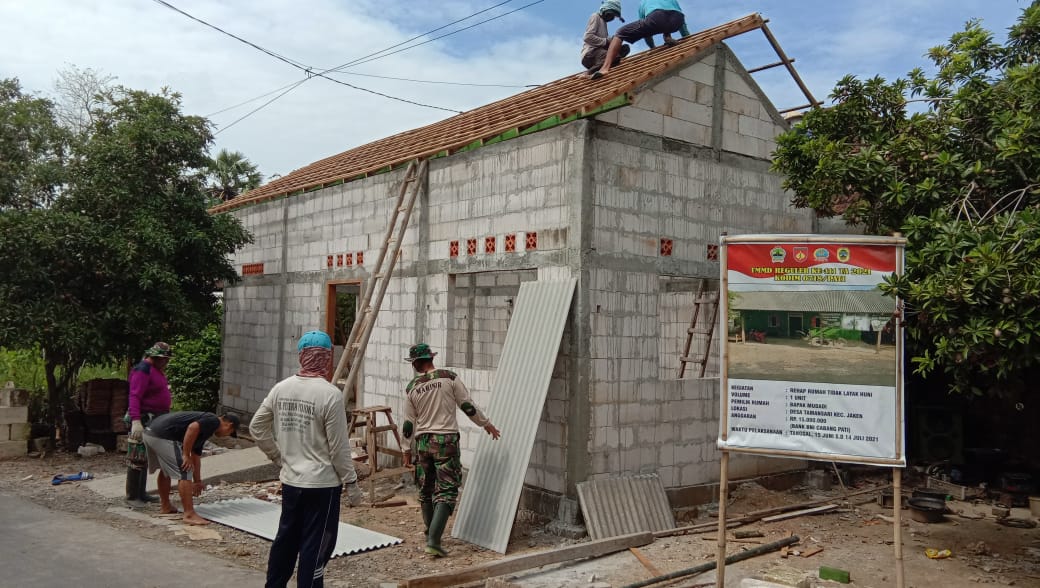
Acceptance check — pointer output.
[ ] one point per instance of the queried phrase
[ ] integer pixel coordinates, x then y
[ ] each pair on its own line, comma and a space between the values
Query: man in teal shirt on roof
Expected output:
656, 17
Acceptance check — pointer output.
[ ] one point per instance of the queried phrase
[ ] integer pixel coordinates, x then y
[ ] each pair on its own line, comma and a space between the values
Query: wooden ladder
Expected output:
372, 299
368, 419
709, 297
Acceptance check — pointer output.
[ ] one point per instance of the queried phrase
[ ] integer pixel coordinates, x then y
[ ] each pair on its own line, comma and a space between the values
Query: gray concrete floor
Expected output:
45, 548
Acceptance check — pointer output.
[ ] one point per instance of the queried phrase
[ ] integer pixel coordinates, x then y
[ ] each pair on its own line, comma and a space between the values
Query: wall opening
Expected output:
481, 305
341, 310
675, 313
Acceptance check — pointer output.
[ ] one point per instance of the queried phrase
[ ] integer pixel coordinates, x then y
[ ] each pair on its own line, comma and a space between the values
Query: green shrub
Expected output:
194, 371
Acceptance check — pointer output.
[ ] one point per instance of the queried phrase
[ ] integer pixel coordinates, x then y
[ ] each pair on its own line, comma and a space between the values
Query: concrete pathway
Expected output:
238, 465
47, 548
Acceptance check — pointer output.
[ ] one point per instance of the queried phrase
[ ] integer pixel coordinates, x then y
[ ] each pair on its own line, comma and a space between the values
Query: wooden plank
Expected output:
525, 562
812, 552
650, 567
799, 513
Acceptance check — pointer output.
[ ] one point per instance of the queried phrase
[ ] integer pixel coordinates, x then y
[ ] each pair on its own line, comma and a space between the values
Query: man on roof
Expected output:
431, 434
656, 17
596, 40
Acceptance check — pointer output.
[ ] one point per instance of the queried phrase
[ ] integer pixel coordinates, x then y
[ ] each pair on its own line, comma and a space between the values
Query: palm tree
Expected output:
231, 173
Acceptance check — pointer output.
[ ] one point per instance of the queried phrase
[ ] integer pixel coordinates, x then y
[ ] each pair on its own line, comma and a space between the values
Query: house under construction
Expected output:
624, 184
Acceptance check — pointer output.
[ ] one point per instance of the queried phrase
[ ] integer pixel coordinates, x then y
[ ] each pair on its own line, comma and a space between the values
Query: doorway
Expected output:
341, 310
794, 325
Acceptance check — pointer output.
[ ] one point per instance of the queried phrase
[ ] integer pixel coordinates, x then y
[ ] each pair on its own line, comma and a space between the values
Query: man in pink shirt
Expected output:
149, 398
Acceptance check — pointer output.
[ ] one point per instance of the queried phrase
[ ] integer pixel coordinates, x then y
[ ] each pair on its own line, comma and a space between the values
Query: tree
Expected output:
231, 174
127, 254
951, 160
33, 148
80, 93
194, 371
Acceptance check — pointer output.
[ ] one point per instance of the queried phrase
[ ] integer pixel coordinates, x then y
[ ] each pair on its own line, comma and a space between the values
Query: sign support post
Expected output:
831, 392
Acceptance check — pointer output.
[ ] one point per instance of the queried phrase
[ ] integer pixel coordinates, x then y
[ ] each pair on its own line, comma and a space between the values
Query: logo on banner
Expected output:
844, 254
779, 254
801, 254
821, 254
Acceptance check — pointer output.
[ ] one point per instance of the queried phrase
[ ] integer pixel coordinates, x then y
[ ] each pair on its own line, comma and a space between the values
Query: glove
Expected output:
354, 494
136, 430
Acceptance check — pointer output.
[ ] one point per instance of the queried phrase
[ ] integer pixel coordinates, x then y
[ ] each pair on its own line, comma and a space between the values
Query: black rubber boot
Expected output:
441, 514
143, 495
427, 516
134, 486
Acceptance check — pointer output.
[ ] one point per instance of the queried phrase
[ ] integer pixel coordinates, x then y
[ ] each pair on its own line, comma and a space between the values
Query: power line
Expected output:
354, 73
364, 59
310, 72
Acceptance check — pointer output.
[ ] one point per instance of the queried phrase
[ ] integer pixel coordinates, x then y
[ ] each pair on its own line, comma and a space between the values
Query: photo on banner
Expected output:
813, 353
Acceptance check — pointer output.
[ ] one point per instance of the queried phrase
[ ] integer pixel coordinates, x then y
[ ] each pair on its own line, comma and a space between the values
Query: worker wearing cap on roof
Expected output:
656, 17
302, 426
596, 40
431, 435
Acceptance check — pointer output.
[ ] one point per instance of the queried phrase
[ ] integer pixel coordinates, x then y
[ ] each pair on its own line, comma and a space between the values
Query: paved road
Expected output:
45, 548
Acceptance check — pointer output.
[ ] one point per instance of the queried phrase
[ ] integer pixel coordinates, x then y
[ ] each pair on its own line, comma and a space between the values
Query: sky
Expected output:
148, 46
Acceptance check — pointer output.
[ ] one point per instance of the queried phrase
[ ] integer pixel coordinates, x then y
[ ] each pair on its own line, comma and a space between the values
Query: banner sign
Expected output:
812, 364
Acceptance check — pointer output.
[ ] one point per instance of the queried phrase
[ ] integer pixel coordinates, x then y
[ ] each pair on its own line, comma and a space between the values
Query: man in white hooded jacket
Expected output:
302, 425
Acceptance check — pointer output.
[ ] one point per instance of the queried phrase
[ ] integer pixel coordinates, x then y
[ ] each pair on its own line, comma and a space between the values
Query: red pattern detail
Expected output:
360, 258
712, 253
666, 247
510, 243
349, 259
471, 246
489, 244
253, 269
339, 260
328, 262
531, 241
453, 249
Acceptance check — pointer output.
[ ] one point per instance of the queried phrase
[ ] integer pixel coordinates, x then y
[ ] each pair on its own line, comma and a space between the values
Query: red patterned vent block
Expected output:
489, 244
253, 269
328, 262
360, 257
453, 249
712, 253
339, 260
471, 246
511, 243
666, 247
531, 242
349, 259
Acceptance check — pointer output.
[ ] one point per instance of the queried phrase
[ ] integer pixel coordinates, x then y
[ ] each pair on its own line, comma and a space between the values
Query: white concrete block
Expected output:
10, 415
14, 432
642, 120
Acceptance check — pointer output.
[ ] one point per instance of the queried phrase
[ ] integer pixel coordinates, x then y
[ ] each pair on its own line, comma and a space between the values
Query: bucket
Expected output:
1034, 506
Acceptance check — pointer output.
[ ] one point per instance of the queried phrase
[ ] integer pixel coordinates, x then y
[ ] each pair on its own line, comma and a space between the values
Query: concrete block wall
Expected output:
482, 304
513, 189
750, 124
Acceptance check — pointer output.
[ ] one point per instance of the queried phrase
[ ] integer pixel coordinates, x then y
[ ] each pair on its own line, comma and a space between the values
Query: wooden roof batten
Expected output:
575, 95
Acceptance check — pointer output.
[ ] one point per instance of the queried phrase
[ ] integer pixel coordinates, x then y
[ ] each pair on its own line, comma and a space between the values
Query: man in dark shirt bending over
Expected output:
174, 441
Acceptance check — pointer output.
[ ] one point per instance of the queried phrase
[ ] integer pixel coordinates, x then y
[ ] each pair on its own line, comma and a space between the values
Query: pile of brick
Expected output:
98, 416
14, 421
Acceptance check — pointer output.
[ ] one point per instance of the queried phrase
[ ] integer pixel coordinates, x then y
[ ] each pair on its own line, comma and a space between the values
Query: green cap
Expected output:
419, 351
160, 349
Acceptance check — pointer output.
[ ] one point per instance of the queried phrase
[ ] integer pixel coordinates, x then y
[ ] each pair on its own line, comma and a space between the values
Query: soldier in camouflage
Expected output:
431, 439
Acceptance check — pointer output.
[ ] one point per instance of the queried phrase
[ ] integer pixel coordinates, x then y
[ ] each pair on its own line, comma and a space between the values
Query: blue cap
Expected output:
314, 339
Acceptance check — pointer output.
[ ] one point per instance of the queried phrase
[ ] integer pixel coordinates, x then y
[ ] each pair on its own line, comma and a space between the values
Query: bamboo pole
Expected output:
897, 515
720, 574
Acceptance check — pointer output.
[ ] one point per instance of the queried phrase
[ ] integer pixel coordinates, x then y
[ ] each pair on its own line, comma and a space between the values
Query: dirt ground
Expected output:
853, 538
795, 360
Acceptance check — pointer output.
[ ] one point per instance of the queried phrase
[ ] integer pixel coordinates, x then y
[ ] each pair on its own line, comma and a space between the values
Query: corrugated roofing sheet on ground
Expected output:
843, 301
488, 507
260, 518
573, 95
621, 506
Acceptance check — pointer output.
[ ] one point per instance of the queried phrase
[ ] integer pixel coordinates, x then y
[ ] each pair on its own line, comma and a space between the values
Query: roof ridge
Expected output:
572, 95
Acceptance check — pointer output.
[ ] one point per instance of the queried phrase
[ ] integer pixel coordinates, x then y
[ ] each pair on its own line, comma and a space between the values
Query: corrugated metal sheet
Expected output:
620, 506
843, 301
261, 519
488, 506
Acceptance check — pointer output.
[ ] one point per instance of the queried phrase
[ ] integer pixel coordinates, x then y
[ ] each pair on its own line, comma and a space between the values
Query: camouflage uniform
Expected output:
431, 433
